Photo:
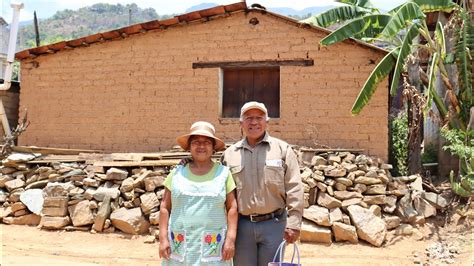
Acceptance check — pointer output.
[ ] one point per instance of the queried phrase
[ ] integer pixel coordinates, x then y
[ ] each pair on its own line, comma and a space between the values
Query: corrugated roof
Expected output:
200, 15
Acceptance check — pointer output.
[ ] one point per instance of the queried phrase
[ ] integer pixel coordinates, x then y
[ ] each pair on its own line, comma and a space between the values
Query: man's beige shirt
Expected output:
267, 177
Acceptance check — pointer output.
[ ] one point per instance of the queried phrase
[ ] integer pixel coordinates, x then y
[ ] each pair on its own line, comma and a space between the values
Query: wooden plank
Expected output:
55, 161
137, 164
136, 157
265, 63
331, 150
47, 150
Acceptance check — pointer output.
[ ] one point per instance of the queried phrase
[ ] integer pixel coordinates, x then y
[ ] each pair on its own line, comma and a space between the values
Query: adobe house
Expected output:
138, 87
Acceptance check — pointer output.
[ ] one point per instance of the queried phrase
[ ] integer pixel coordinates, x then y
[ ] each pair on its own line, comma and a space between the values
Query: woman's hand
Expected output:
165, 249
228, 250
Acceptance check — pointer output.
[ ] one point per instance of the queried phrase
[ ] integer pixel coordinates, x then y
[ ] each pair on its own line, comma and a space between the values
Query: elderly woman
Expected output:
198, 214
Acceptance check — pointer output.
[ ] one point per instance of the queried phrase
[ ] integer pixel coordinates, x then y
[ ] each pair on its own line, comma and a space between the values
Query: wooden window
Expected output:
241, 85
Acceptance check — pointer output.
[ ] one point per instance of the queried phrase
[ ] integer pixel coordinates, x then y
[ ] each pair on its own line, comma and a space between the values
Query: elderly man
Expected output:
269, 189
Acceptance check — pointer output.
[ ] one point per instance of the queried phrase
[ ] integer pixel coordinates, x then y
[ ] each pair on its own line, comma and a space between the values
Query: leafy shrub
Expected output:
399, 143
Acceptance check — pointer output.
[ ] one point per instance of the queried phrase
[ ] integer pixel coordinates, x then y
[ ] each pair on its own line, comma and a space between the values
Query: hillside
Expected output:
71, 24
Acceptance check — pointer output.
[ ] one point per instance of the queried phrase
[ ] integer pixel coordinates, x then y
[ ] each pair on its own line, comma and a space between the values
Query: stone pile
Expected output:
350, 197
78, 196
347, 197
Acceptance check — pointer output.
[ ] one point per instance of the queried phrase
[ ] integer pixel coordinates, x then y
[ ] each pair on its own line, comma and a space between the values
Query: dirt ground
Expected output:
24, 245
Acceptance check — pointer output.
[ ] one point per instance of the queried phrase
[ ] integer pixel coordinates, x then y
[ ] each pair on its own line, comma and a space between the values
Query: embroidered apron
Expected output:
197, 225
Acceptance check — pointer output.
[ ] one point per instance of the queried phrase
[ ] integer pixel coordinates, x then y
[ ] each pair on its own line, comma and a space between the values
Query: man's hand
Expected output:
228, 251
291, 235
165, 249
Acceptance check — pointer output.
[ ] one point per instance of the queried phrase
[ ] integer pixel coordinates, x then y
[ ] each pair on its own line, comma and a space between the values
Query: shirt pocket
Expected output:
275, 179
237, 172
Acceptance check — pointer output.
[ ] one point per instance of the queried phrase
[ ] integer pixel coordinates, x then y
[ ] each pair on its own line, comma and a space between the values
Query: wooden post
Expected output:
35, 19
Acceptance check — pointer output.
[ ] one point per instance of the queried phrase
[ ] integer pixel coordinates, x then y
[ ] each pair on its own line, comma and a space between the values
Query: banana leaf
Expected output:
405, 50
335, 15
440, 40
432, 80
349, 2
406, 13
435, 5
463, 47
381, 71
364, 3
355, 27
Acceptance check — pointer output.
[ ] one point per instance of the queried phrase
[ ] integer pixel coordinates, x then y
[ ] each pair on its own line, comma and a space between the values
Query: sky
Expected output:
47, 8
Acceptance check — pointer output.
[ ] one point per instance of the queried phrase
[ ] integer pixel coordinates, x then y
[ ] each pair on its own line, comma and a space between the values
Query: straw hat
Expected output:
200, 128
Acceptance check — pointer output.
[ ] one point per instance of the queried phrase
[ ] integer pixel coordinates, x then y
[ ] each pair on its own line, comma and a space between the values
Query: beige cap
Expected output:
253, 105
200, 128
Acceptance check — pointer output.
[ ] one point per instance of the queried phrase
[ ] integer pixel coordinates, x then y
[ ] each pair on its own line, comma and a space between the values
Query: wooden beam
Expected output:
264, 63
137, 164
47, 150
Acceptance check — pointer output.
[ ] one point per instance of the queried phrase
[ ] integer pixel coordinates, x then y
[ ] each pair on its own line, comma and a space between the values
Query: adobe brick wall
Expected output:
139, 93
10, 99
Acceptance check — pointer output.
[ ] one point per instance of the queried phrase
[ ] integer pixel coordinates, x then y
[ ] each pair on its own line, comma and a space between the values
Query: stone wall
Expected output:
347, 197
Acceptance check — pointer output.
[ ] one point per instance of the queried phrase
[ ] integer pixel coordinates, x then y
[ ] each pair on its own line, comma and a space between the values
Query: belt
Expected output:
255, 218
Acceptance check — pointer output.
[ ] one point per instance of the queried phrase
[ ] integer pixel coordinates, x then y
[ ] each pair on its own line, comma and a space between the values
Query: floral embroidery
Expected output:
177, 241
178, 245
213, 242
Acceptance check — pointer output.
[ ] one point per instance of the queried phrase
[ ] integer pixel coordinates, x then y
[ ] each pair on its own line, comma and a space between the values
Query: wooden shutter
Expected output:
251, 84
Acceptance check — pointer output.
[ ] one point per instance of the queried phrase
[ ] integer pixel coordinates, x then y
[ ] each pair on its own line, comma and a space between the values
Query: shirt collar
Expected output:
244, 144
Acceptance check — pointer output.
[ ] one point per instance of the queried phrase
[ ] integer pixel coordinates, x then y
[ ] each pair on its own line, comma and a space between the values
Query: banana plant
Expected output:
401, 28
366, 23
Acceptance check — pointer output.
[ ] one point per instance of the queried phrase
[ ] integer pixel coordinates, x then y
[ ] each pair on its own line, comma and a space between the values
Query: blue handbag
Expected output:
281, 251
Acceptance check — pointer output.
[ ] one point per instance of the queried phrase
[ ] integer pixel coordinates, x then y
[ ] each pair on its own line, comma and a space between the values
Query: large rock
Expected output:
116, 174
392, 222
4, 179
55, 206
423, 207
335, 171
57, 189
37, 184
405, 209
318, 160
49, 222
14, 184
327, 201
343, 195
33, 199
367, 180
153, 182
344, 232
127, 185
376, 189
102, 214
81, 214
311, 232
369, 227
390, 204
130, 221
317, 214
29, 219
335, 215
437, 200
149, 202
377, 199
101, 192
155, 218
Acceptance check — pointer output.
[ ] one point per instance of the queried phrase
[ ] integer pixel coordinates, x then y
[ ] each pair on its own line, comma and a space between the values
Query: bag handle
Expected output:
281, 250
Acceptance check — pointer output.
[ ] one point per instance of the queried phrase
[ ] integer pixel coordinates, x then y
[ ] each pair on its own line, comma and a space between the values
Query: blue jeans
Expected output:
256, 243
